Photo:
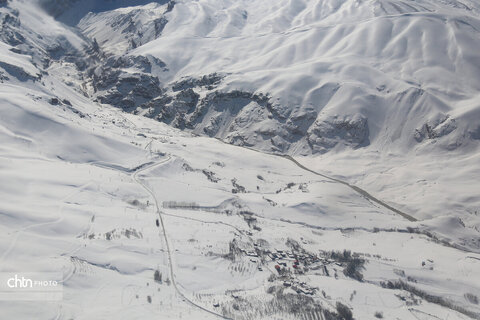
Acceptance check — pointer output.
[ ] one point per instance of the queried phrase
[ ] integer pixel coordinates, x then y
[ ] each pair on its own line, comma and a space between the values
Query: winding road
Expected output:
164, 231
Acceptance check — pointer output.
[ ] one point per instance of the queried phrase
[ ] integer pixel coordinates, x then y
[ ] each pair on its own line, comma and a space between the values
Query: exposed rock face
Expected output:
125, 89
208, 81
325, 135
436, 129
139, 62
8, 29
128, 90
16, 72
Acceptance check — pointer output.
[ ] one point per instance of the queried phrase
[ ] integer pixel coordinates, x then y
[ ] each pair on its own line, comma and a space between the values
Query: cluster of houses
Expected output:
285, 258
297, 261
288, 263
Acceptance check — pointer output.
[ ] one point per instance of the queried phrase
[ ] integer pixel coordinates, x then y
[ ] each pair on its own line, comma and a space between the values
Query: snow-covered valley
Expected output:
242, 159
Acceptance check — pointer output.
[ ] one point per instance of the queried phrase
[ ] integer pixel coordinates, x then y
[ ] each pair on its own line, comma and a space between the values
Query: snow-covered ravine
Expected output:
148, 215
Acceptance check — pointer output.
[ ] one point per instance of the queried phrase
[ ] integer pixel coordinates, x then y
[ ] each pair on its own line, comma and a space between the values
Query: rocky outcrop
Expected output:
325, 135
209, 82
17, 72
128, 91
125, 89
9, 23
435, 129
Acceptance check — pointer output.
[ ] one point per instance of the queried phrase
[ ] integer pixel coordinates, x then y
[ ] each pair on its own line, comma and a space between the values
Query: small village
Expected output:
286, 265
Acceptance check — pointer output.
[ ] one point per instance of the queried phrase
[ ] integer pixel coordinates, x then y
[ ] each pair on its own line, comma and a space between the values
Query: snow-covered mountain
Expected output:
344, 177
304, 76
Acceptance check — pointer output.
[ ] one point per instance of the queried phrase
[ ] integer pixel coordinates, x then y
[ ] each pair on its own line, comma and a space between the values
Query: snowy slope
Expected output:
90, 210
388, 89
146, 221
337, 73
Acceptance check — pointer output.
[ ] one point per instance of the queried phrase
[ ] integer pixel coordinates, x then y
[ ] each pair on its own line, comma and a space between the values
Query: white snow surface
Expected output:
340, 58
410, 70
109, 198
